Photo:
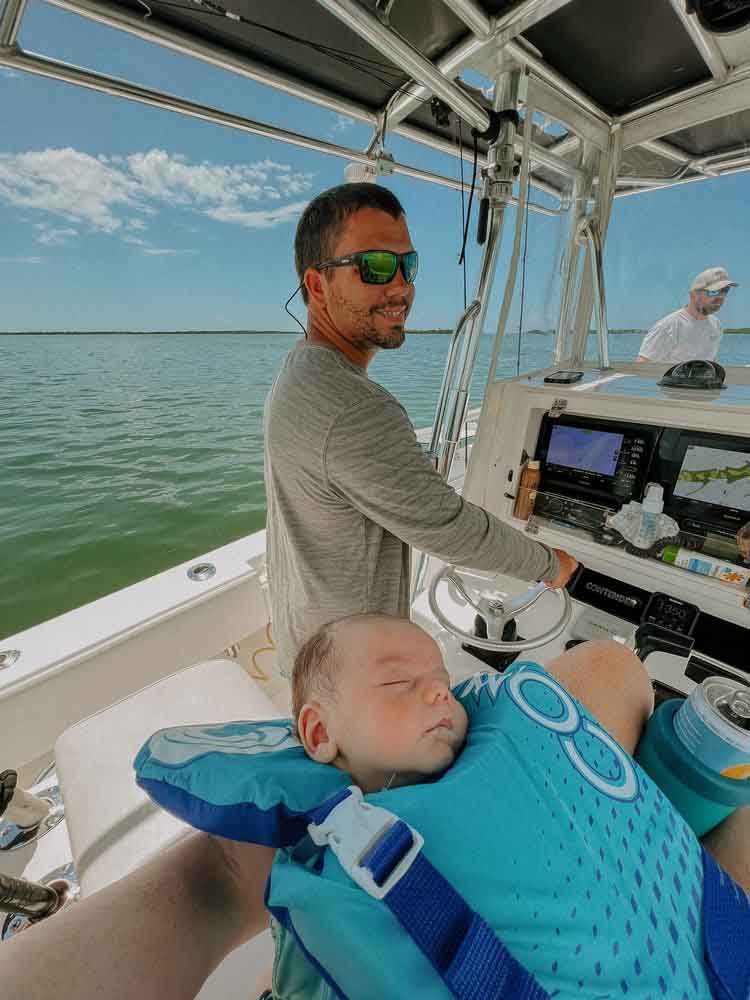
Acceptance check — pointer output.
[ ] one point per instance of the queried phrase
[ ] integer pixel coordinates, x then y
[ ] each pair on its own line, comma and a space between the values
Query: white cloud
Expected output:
68, 184
9, 73
55, 237
157, 252
135, 241
342, 124
111, 194
210, 186
21, 260
260, 219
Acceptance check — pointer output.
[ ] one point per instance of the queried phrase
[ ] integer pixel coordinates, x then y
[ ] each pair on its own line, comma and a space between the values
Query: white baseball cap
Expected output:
711, 280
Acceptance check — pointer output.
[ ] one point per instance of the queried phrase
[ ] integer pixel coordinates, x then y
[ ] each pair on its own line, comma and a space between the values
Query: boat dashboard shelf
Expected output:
634, 382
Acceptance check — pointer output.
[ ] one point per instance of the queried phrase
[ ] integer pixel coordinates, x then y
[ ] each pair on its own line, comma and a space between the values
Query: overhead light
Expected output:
359, 173
368, 173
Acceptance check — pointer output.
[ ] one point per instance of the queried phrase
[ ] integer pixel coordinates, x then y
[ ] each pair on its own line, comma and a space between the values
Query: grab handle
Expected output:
657, 639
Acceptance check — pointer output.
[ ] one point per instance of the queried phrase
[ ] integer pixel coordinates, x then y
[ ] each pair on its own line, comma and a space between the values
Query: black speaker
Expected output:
720, 17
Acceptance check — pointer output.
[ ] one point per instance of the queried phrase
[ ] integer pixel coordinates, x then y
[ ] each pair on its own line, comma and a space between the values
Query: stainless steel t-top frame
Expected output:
10, 22
498, 177
13, 56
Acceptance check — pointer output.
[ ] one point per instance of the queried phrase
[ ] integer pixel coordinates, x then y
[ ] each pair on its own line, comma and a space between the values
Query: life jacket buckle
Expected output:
373, 846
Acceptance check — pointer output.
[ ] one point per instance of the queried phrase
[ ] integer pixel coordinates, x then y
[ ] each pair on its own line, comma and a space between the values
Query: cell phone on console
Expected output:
563, 377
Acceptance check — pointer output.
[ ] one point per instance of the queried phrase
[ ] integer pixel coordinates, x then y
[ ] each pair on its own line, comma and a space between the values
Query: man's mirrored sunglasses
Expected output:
378, 267
717, 292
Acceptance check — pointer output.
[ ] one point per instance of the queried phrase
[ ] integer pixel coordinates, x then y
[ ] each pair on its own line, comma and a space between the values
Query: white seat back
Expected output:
113, 826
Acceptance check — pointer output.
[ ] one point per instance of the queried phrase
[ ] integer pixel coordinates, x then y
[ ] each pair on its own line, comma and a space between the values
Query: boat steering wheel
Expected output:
497, 612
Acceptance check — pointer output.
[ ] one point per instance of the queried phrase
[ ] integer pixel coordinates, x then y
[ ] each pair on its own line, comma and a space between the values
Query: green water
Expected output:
124, 454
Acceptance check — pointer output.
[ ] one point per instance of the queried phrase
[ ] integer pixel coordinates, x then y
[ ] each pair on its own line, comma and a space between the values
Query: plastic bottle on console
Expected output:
651, 508
527, 488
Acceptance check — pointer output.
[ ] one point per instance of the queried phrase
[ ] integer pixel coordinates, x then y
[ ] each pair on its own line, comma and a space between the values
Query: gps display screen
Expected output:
587, 450
715, 476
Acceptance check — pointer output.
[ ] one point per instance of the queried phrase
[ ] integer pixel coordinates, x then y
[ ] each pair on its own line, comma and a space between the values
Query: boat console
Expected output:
600, 443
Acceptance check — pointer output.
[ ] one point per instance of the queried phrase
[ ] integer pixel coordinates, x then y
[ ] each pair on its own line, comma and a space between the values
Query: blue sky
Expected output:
118, 216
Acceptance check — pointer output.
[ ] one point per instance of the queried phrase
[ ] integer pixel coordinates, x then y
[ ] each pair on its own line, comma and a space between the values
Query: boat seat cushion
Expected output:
113, 826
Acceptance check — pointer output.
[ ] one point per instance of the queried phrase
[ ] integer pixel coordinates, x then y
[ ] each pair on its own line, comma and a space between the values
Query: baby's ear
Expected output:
314, 735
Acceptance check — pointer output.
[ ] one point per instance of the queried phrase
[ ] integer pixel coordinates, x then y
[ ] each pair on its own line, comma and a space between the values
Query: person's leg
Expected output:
157, 933
612, 683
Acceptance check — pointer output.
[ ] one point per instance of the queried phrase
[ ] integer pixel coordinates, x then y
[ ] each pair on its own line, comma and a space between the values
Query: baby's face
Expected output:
394, 718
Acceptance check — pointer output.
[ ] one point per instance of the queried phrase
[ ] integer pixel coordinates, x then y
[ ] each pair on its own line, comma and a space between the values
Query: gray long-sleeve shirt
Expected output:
349, 490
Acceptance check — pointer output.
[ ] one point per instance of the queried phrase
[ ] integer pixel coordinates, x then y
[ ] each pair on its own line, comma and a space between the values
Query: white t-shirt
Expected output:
679, 337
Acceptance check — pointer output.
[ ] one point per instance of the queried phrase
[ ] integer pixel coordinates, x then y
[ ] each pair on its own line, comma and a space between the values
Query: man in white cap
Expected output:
692, 332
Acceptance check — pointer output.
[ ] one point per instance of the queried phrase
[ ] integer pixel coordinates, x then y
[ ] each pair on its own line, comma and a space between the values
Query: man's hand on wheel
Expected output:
568, 566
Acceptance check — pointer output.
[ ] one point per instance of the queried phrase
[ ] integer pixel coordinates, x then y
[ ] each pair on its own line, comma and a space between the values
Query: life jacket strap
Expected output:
726, 933
384, 856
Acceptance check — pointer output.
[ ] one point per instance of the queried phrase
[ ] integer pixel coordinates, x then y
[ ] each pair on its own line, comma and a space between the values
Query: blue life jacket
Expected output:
551, 865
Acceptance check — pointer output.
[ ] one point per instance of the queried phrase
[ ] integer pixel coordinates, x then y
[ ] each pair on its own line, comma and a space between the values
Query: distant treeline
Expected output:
94, 333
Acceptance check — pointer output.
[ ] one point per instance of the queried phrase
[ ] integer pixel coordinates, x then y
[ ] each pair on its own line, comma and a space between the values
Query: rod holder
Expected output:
27, 816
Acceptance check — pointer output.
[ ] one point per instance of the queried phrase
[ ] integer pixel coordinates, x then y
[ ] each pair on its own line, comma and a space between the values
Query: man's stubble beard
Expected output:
396, 334
387, 342
372, 337
709, 310
366, 335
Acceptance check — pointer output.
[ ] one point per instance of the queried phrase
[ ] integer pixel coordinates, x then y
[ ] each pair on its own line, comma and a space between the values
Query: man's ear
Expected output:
313, 282
313, 732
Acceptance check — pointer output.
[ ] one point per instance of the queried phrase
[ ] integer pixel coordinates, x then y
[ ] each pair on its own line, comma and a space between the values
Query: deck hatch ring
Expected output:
202, 571
8, 657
